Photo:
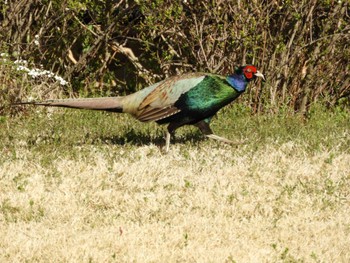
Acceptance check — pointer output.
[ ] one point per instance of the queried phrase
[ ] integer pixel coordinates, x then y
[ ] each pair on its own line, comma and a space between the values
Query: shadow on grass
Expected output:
139, 138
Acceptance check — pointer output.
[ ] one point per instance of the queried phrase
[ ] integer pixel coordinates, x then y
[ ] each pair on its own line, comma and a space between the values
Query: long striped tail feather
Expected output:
113, 104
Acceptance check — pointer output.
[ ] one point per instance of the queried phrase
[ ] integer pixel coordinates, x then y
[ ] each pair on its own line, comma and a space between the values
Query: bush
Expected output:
110, 48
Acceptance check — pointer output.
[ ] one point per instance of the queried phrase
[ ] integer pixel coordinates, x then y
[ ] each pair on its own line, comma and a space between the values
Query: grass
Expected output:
80, 186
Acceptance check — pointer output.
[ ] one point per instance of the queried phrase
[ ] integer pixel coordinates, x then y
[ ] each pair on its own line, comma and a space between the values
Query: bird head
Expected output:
250, 72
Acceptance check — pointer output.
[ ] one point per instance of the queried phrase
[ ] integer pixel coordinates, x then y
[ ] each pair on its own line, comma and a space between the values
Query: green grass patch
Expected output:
66, 132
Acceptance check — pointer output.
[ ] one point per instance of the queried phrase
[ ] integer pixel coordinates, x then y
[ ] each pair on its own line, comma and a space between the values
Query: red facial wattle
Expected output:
249, 72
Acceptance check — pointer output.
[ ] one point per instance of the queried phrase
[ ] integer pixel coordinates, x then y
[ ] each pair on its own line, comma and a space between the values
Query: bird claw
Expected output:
222, 139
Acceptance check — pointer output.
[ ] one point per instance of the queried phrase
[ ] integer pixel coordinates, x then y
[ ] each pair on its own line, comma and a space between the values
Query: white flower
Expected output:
21, 61
61, 80
36, 41
35, 72
22, 68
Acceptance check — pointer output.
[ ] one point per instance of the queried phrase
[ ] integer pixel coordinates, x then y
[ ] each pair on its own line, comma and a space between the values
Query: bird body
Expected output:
192, 98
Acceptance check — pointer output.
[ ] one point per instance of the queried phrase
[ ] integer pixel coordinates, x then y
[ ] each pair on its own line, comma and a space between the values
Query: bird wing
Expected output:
159, 103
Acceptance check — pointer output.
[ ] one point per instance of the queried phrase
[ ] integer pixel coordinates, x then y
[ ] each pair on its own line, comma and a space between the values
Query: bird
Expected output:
187, 99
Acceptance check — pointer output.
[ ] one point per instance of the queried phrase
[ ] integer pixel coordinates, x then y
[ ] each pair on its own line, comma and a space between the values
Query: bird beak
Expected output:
259, 74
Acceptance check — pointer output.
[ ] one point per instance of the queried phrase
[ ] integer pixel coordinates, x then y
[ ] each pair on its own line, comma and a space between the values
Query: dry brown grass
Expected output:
209, 204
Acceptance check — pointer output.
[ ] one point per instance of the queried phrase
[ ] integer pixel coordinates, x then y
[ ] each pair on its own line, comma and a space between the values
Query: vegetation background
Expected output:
82, 186
116, 47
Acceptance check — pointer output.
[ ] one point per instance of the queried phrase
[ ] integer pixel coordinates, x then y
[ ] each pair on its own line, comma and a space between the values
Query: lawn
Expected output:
83, 186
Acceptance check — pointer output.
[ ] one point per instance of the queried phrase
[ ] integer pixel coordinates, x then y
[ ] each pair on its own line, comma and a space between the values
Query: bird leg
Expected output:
206, 130
204, 127
170, 131
167, 141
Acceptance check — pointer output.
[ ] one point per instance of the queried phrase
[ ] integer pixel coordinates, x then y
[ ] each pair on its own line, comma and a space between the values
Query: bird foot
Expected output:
222, 139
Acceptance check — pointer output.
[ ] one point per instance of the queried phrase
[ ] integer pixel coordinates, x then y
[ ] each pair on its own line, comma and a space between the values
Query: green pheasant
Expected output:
192, 98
